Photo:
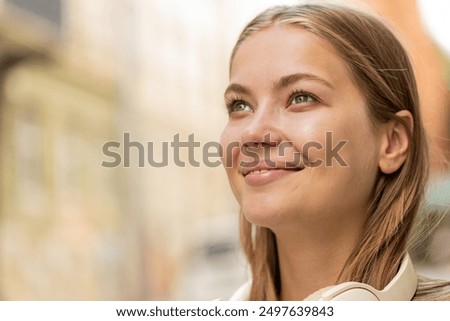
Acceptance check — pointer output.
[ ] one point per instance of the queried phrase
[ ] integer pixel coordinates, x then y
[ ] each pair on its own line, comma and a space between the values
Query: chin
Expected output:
264, 213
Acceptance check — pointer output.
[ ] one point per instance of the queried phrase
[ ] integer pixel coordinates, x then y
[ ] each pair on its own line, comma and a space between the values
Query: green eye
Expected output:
302, 98
241, 106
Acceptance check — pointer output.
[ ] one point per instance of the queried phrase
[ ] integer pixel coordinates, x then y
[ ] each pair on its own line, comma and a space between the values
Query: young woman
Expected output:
332, 160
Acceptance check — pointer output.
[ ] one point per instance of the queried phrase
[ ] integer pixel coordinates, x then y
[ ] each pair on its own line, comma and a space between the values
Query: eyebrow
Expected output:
288, 80
237, 88
283, 82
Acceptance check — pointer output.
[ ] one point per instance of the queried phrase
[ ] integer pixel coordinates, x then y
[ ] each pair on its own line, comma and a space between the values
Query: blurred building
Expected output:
172, 81
78, 74
61, 221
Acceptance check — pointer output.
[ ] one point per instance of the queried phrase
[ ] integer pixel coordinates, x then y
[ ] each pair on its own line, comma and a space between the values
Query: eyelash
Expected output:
298, 92
231, 101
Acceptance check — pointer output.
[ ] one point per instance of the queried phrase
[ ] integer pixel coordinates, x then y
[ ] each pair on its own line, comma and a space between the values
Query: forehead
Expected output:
286, 49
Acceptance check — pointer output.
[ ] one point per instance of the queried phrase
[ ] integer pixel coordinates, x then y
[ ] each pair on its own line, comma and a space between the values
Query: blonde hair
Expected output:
382, 70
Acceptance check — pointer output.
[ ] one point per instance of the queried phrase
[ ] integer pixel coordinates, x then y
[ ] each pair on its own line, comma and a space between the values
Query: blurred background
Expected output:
76, 74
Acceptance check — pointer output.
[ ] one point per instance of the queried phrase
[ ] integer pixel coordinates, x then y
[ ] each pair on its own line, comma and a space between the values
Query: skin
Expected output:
316, 212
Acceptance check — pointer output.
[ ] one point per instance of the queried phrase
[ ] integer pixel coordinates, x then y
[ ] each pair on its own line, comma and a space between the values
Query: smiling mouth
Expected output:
263, 168
262, 171
260, 176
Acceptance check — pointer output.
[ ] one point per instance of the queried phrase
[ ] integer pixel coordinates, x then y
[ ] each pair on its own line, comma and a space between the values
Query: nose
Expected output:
264, 128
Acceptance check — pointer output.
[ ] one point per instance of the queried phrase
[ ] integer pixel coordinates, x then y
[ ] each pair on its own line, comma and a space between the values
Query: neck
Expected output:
311, 258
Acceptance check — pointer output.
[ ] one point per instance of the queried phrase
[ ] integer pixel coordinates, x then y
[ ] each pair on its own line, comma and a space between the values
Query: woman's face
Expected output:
299, 146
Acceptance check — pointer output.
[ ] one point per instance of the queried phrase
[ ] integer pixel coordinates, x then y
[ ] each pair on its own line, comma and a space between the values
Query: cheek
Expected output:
311, 138
360, 157
229, 142
230, 154
341, 146
362, 147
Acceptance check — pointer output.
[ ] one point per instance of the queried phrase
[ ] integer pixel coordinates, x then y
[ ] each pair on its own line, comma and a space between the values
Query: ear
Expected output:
395, 143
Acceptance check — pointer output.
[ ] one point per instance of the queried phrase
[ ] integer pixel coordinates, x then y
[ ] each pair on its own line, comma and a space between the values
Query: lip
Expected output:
262, 174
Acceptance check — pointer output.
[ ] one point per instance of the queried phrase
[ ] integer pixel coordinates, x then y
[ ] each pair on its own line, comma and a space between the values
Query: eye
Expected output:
302, 98
241, 106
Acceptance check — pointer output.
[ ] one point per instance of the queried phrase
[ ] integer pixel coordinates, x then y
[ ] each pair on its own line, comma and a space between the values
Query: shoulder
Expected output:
432, 290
